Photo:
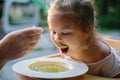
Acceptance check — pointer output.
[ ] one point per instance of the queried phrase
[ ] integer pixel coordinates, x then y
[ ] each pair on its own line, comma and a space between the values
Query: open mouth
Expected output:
63, 48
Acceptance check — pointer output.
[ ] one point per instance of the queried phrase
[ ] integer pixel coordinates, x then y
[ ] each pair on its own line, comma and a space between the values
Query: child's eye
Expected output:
52, 32
66, 33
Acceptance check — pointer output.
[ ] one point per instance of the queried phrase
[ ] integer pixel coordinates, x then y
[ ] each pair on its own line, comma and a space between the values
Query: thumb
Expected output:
38, 29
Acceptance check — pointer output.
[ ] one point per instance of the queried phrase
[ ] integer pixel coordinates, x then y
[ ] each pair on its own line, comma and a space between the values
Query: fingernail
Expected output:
41, 29
35, 29
34, 26
38, 29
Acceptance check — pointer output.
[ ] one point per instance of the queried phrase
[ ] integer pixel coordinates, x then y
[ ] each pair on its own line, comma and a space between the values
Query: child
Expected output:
71, 25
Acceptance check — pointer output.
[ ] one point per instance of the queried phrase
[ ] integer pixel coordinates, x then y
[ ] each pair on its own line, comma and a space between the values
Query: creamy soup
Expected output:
49, 66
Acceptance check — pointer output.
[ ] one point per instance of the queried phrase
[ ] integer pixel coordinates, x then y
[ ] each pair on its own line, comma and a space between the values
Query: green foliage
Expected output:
109, 22
40, 3
43, 21
43, 12
108, 14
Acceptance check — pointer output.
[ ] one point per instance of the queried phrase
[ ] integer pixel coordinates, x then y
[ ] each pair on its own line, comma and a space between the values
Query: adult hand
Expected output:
18, 43
21, 77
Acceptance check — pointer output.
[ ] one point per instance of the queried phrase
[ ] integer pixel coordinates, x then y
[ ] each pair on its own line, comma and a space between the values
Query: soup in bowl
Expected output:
50, 66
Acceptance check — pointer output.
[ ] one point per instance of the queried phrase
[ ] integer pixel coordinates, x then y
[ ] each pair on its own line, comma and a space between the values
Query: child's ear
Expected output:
86, 34
89, 31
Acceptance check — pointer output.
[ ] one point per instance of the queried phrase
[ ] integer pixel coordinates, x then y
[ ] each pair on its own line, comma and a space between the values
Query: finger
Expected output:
31, 46
30, 31
33, 30
23, 77
34, 37
29, 42
36, 30
32, 43
36, 34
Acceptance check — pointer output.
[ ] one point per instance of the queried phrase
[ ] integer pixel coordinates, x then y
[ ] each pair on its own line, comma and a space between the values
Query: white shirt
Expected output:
107, 67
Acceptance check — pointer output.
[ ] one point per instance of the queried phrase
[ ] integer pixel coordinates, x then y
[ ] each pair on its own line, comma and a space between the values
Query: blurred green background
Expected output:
108, 14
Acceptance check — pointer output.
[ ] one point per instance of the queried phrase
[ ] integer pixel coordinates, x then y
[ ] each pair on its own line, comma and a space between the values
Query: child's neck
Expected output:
96, 51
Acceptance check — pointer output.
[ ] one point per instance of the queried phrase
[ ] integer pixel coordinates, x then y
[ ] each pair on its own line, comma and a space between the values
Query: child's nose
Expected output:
57, 37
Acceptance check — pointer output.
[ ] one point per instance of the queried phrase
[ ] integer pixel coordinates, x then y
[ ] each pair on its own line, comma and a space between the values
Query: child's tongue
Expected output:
63, 51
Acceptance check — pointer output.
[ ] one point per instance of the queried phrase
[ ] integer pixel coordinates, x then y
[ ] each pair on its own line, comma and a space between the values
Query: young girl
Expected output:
71, 24
72, 30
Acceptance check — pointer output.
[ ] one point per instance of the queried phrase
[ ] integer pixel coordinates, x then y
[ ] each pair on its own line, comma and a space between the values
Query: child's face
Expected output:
65, 34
